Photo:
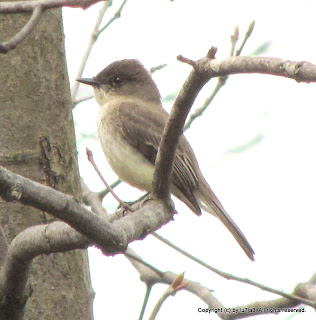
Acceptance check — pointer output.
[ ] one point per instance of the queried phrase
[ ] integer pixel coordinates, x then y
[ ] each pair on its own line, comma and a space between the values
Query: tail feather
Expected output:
209, 202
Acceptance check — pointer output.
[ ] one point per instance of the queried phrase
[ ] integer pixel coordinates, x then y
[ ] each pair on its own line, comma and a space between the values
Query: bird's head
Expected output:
124, 78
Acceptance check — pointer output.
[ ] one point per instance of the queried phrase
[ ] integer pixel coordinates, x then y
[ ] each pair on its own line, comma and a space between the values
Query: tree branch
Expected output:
37, 8
96, 32
229, 276
203, 70
221, 80
34, 241
64, 207
24, 32
59, 237
305, 290
77, 101
299, 71
92, 199
104, 192
93, 38
172, 132
110, 237
149, 274
199, 111
303, 293
117, 15
152, 276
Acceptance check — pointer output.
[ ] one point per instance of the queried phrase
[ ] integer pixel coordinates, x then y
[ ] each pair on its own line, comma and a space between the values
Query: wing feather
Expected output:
144, 133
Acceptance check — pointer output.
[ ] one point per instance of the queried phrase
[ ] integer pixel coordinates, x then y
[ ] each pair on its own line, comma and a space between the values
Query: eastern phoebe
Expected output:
130, 125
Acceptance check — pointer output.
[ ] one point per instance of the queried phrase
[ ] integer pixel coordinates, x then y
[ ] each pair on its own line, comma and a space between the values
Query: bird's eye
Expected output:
117, 81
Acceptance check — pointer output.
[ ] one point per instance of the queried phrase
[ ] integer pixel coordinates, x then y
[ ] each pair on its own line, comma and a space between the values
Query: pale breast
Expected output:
131, 166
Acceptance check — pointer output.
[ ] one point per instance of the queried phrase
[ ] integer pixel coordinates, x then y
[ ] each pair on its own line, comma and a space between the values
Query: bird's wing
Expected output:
144, 133
143, 128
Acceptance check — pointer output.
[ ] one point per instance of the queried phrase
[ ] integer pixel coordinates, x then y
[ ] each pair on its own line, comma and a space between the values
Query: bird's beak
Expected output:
90, 81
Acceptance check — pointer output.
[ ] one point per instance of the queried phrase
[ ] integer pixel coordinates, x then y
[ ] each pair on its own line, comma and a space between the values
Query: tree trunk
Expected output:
37, 141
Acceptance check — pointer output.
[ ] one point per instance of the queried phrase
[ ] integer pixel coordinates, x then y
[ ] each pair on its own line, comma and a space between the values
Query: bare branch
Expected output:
142, 267
299, 71
60, 237
113, 185
306, 290
64, 207
151, 276
24, 32
157, 68
34, 241
172, 132
117, 15
174, 287
233, 39
145, 302
199, 111
229, 276
91, 160
221, 80
96, 32
92, 40
110, 237
37, 8
92, 199
77, 101
247, 36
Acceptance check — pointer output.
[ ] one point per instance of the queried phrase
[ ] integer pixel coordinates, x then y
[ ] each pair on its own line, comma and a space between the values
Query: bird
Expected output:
130, 126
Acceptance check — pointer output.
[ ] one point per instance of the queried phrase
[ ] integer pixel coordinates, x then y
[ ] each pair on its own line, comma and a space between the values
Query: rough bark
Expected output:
37, 141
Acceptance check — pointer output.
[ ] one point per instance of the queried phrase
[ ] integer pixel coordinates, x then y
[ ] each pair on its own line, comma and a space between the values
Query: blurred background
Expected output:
255, 145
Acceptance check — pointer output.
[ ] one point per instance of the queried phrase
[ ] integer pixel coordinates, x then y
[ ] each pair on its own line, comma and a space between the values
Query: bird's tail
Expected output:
209, 202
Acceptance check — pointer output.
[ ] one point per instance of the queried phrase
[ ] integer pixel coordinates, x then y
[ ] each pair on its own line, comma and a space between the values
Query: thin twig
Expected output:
183, 59
145, 302
229, 276
104, 192
77, 101
92, 199
157, 68
234, 38
159, 303
24, 32
140, 260
174, 287
199, 111
96, 32
247, 36
221, 80
92, 40
91, 160
37, 8
117, 15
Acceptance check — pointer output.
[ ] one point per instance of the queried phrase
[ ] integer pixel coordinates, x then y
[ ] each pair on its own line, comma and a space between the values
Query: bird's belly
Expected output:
130, 165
